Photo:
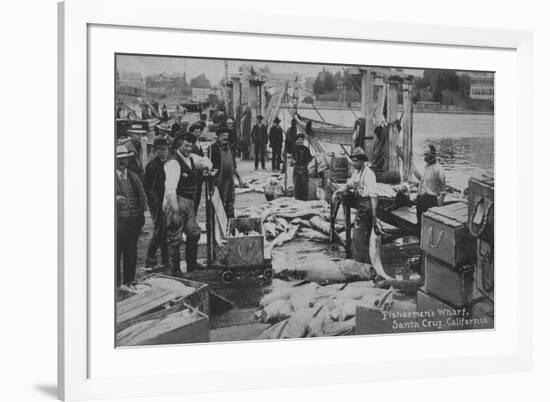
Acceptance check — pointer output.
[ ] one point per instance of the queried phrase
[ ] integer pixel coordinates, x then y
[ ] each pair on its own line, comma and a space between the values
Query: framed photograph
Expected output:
240, 198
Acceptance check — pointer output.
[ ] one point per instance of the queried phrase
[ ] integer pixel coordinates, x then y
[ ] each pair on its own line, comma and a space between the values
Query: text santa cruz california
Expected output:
439, 318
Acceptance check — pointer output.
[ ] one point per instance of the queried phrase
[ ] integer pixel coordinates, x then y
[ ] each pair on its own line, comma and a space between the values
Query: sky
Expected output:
214, 68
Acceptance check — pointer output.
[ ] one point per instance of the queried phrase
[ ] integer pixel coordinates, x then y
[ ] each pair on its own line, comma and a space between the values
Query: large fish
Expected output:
275, 311
284, 237
313, 235
375, 245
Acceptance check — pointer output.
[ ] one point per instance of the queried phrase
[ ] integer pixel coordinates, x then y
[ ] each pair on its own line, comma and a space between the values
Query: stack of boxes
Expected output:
448, 300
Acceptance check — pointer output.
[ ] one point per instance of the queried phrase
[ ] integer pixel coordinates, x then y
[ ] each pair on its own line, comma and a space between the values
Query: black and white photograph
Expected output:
260, 199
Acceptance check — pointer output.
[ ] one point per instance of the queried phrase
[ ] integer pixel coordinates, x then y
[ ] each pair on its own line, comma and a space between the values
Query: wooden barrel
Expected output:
339, 169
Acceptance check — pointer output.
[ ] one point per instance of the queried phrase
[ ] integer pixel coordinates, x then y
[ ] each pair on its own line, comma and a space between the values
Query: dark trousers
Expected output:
158, 239
362, 230
128, 230
226, 187
300, 178
259, 155
423, 203
183, 221
276, 158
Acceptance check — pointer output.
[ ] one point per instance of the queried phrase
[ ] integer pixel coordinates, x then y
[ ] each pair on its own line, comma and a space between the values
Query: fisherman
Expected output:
197, 150
131, 203
233, 138
164, 114
178, 205
363, 184
177, 126
432, 188
133, 144
259, 137
276, 143
223, 161
300, 160
153, 183
290, 140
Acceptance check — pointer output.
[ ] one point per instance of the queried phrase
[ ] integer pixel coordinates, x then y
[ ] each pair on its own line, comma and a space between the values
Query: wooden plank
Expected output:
219, 210
145, 305
393, 90
407, 132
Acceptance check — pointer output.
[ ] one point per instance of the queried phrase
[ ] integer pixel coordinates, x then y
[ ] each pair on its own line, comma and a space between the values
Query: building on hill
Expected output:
482, 86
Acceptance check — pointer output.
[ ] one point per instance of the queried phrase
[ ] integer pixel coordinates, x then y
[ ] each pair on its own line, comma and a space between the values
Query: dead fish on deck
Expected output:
358, 293
323, 325
354, 270
304, 296
284, 237
320, 224
270, 229
375, 245
275, 331
342, 309
313, 235
382, 302
298, 323
275, 311
282, 222
320, 270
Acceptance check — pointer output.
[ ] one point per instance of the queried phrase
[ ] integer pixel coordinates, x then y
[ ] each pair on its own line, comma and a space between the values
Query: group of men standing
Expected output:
170, 187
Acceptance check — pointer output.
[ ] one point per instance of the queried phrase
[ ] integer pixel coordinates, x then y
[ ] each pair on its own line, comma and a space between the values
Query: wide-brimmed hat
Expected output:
260, 117
359, 153
276, 120
122, 152
293, 121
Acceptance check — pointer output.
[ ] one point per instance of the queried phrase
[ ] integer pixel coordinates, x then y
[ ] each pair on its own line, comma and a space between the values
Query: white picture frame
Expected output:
77, 379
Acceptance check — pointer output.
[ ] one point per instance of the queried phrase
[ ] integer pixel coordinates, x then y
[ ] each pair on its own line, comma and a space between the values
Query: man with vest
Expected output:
363, 184
276, 143
223, 161
182, 172
153, 183
131, 203
432, 187
259, 137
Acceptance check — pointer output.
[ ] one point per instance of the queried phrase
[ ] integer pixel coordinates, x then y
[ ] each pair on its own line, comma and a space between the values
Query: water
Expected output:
464, 142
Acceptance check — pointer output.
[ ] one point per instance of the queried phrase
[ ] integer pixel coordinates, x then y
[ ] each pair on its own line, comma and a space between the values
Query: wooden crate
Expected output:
484, 273
445, 234
481, 199
194, 332
245, 251
449, 284
436, 315
199, 299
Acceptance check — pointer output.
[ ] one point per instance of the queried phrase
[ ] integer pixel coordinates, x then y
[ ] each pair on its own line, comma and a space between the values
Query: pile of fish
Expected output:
287, 218
312, 310
260, 183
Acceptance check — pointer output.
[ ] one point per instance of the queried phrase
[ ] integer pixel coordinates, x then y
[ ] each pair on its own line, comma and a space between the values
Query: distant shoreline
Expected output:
308, 107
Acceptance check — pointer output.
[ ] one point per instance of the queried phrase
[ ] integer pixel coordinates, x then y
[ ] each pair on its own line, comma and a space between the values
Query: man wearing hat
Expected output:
300, 159
363, 185
290, 140
432, 188
182, 172
177, 126
259, 137
131, 203
276, 143
223, 161
153, 183
233, 138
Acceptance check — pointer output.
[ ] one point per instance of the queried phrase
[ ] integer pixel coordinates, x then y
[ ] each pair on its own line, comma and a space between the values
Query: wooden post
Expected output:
367, 107
407, 132
253, 99
393, 91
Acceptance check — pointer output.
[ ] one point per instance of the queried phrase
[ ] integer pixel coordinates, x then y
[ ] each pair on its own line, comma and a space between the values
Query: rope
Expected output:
486, 213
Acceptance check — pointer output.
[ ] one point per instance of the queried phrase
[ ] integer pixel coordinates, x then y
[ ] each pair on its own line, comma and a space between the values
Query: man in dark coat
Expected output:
300, 159
276, 143
153, 183
291, 134
233, 138
259, 137
223, 161
131, 203
164, 113
177, 126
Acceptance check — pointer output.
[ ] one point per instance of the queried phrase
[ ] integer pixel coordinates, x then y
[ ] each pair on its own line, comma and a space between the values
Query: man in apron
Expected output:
363, 184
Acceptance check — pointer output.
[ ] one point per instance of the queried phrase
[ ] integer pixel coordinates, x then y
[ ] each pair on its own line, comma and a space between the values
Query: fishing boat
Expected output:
324, 131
